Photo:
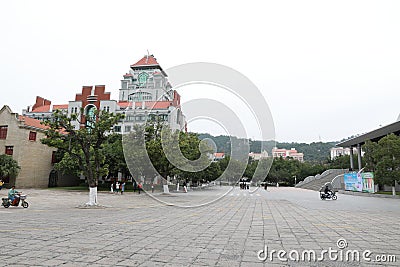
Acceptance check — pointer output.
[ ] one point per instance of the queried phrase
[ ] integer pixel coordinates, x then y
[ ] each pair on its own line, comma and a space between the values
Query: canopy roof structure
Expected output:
374, 135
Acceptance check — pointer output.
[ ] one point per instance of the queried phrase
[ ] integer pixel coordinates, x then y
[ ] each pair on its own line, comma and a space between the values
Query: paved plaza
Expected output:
136, 230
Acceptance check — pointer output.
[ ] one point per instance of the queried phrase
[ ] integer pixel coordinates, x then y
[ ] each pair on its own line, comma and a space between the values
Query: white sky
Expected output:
328, 69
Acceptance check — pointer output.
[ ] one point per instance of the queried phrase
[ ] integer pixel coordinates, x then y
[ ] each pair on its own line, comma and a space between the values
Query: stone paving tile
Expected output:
137, 231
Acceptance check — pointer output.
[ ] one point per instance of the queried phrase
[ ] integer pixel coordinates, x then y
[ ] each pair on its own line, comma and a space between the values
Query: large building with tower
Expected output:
145, 94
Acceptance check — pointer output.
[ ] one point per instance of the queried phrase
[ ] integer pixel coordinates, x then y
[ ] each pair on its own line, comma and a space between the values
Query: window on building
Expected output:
143, 76
127, 129
117, 129
53, 157
9, 150
3, 132
32, 136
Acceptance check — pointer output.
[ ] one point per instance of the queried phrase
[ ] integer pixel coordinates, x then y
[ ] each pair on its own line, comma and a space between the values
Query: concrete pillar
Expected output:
359, 156
351, 159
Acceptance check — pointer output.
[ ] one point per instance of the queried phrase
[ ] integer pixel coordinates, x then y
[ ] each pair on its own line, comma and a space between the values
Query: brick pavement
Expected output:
135, 230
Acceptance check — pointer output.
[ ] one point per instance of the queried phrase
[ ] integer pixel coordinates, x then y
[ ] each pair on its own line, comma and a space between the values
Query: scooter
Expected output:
329, 195
21, 199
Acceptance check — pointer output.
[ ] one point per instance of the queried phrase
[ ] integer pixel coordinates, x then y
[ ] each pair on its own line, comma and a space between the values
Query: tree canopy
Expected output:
8, 167
384, 158
83, 147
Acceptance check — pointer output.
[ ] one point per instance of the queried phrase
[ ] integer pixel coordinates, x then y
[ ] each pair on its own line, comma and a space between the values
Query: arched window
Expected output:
143, 76
90, 116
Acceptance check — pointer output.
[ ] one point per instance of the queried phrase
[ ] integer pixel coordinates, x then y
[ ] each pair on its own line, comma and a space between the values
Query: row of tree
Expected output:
153, 150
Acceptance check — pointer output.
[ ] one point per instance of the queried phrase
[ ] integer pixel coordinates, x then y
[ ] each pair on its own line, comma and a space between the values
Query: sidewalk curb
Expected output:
367, 194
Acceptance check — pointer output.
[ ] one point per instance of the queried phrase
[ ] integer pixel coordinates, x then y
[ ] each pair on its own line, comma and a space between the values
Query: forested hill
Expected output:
317, 151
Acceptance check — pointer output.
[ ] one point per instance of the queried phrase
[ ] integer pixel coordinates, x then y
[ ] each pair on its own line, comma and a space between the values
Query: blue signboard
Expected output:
353, 182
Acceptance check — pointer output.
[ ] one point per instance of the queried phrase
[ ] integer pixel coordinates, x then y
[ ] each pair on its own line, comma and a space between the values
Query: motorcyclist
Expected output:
327, 190
13, 195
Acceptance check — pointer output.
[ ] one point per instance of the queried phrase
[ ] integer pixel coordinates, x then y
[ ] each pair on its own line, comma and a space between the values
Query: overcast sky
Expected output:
327, 69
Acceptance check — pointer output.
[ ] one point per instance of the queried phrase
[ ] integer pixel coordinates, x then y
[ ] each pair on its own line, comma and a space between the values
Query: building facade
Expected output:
286, 153
145, 94
20, 138
342, 151
258, 156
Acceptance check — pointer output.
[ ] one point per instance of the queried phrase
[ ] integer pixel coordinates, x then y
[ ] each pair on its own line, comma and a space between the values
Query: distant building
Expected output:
342, 151
20, 138
285, 153
258, 156
218, 156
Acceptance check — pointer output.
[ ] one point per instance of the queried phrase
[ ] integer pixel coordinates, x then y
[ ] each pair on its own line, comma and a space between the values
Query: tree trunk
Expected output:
393, 190
92, 196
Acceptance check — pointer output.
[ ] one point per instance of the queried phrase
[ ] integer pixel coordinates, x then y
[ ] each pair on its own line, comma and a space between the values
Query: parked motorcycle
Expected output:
6, 202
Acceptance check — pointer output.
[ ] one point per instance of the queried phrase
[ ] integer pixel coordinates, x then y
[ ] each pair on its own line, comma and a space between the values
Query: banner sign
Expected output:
353, 182
359, 182
368, 182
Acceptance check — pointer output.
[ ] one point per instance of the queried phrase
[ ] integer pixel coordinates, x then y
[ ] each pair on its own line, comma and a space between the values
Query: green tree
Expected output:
83, 145
114, 154
8, 167
154, 149
371, 155
386, 156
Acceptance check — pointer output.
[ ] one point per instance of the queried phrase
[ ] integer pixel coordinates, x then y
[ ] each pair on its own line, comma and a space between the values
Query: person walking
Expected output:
185, 187
1, 184
134, 186
152, 188
117, 187
122, 188
140, 187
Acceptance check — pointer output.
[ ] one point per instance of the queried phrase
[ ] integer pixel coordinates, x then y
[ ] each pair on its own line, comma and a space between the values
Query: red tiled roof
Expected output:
45, 108
32, 122
127, 74
219, 154
158, 104
146, 61
64, 106
124, 104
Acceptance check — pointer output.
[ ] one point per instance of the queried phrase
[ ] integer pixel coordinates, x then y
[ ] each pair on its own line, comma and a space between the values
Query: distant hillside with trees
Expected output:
314, 152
